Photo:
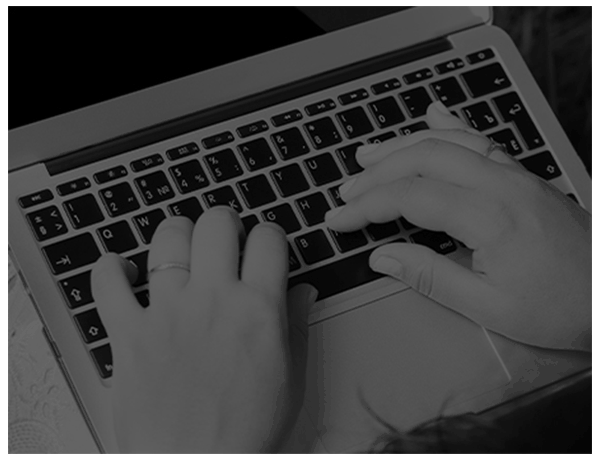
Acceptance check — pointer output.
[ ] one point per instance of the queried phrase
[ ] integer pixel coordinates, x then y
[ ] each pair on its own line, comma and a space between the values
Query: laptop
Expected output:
273, 135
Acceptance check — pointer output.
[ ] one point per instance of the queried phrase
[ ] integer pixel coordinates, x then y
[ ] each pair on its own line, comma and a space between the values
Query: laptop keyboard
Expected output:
286, 169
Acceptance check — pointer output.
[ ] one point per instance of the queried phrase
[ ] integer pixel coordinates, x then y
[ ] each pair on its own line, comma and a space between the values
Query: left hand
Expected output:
217, 362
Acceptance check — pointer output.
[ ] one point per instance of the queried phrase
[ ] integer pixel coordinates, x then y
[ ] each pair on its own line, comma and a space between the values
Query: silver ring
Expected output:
167, 266
494, 146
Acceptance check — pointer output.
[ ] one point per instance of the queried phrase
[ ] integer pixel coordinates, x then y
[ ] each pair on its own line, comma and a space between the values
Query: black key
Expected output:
353, 96
382, 231
47, 223
322, 133
223, 165
313, 208
102, 357
512, 109
154, 188
256, 191
83, 211
479, 56
77, 290
347, 156
348, 241
448, 91
217, 140
286, 118
339, 276
140, 260
117, 237
381, 137
119, 199
314, 247
290, 143
320, 107
249, 222
438, 241
252, 128
449, 66
573, 197
35, 198
416, 101
386, 112
419, 126
486, 80
143, 298
90, 326
386, 86
284, 216
73, 186
407, 225
147, 223
480, 116
294, 262
355, 122
419, 75
72, 253
222, 196
189, 176
146, 163
543, 165
190, 208
183, 151
334, 194
108, 175
257, 154
322, 169
507, 138
289, 180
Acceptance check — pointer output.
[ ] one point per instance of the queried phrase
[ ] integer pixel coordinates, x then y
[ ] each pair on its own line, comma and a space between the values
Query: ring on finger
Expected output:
494, 146
166, 266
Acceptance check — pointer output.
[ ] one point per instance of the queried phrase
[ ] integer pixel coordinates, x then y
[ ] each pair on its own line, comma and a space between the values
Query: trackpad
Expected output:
411, 359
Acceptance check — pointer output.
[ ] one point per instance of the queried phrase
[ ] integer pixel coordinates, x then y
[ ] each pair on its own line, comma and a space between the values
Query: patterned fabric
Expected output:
39, 398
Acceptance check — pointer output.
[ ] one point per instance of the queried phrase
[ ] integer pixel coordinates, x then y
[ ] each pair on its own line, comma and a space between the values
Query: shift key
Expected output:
73, 253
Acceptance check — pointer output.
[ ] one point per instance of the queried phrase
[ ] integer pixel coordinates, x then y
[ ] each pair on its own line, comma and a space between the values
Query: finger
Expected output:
440, 279
265, 265
171, 243
111, 289
426, 203
439, 117
216, 246
300, 300
431, 158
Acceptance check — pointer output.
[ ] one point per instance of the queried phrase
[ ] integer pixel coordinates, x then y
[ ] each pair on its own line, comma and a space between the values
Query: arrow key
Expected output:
90, 326
77, 290
543, 165
486, 80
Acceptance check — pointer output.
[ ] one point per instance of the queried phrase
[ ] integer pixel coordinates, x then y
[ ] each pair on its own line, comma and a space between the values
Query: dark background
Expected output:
63, 58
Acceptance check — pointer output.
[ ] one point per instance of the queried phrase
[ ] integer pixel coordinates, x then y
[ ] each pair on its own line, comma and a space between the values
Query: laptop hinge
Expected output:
214, 115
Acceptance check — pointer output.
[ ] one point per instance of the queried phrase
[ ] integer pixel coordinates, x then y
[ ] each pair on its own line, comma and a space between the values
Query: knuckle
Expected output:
423, 279
173, 225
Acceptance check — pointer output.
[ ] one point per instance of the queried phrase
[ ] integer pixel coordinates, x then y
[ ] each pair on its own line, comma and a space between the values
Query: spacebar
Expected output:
339, 276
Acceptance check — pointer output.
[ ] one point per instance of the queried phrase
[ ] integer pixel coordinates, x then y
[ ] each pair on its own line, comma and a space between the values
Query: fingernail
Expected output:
334, 212
441, 108
131, 269
365, 149
388, 266
347, 186
311, 295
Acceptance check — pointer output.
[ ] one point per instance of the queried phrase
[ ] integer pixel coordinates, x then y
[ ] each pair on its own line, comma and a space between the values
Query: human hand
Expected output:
530, 278
216, 362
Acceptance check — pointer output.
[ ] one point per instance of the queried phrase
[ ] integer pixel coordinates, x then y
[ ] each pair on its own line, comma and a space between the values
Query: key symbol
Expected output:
76, 294
93, 331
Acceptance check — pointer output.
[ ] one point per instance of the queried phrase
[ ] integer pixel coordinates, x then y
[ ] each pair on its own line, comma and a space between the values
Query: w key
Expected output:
154, 188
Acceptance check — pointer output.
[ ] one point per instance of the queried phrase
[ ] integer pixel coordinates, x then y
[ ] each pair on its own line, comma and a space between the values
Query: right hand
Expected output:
530, 278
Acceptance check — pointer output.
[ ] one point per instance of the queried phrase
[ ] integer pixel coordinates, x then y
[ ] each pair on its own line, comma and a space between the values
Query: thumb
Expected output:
300, 300
111, 289
438, 278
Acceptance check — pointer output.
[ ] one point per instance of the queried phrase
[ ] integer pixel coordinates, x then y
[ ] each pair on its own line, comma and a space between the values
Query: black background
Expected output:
61, 59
